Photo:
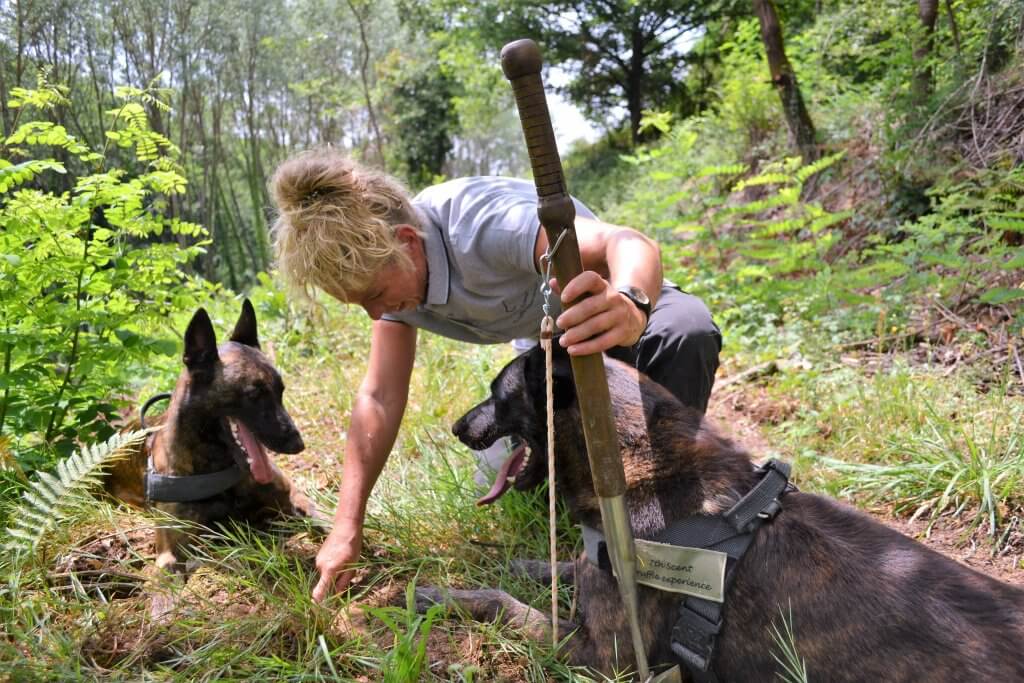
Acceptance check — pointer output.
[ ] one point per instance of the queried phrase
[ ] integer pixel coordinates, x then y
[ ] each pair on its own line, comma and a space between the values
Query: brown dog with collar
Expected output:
865, 603
208, 462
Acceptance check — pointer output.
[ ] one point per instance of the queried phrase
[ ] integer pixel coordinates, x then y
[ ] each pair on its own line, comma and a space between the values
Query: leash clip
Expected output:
545, 260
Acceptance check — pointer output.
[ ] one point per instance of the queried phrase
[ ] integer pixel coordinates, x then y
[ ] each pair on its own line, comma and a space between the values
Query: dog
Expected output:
865, 603
225, 409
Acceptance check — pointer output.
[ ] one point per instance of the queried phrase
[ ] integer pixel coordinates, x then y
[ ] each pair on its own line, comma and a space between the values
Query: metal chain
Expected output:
545, 261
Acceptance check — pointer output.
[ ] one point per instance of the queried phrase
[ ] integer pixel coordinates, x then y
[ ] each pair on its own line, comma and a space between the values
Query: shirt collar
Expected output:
438, 276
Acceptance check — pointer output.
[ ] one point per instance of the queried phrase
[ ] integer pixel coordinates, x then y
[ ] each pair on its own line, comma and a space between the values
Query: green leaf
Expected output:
164, 347
1010, 222
1001, 295
127, 338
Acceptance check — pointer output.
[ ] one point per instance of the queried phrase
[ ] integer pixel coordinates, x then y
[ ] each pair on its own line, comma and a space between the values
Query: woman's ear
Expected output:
407, 234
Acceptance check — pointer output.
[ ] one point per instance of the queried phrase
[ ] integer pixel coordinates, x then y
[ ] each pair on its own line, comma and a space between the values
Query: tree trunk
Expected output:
635, 78
927, 12
784, 79
364, 68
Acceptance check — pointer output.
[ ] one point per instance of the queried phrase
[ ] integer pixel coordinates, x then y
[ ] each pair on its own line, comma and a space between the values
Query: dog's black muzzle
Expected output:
289, 443
478, 429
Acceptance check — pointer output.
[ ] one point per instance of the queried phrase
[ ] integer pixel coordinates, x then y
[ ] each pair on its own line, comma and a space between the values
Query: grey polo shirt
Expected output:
482, 284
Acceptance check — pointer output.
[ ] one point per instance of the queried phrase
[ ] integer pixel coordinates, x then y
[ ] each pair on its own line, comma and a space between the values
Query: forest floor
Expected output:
738, 410
422, 533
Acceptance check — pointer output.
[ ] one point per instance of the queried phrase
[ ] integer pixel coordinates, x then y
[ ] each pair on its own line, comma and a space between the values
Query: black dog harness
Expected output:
696, 629
171, 488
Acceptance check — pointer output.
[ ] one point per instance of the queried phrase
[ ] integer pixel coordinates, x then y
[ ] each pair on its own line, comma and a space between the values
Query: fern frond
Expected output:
51, 500
820, 165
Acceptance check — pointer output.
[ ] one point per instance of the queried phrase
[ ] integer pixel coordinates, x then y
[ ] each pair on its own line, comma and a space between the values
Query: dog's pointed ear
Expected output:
561, 373
245, 328
200, 345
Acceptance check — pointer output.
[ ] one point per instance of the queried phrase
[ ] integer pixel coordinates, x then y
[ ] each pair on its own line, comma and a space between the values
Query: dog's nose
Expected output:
459, 428
295, 444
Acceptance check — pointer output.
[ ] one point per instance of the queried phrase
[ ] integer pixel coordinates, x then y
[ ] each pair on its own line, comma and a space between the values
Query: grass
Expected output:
794, 669
917, 439
906, 436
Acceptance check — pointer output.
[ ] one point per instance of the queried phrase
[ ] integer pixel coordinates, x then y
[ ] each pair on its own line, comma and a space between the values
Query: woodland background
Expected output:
841, 182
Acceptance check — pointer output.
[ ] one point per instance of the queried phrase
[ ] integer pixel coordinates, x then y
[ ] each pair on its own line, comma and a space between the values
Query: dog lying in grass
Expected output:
208, 463
865, 603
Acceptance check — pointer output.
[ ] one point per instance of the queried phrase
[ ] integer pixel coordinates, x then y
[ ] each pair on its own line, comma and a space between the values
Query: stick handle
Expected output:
521, 61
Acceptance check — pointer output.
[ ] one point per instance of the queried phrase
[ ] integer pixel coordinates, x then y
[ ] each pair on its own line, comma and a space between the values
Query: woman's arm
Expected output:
613, 256
376, 416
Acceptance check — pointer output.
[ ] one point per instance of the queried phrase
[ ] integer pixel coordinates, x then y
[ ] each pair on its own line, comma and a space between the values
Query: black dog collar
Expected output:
171, 488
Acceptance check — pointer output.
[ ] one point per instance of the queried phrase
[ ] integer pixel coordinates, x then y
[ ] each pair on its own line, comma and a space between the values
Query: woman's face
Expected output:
396, 288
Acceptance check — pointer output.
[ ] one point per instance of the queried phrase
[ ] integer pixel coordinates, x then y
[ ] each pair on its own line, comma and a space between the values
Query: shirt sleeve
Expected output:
496, 223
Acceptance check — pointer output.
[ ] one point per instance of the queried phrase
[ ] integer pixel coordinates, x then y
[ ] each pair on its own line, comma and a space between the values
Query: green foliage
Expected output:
966, 249
86, 291
51, 500
747, 243
405, 661
421, 116
948, 465
597, 174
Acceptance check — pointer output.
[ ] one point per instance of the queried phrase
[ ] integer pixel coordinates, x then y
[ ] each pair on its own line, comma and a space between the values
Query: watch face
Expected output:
638, 297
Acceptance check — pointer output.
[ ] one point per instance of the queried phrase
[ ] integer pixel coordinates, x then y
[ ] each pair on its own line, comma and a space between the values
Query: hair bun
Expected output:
305, 180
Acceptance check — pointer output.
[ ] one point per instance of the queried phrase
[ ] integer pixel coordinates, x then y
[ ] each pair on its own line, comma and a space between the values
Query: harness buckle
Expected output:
771, 510
693, 638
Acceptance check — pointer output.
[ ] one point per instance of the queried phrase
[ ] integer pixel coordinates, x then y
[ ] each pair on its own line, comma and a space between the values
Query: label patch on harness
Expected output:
693, 571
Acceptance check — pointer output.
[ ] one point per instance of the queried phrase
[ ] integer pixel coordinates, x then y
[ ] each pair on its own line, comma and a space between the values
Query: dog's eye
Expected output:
253, 393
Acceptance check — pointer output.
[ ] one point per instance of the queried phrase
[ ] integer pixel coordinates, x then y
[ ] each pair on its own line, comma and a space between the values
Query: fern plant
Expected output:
89, 287
54, 498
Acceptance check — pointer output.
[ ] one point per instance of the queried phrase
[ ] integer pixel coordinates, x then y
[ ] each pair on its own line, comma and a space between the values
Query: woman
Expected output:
462, 259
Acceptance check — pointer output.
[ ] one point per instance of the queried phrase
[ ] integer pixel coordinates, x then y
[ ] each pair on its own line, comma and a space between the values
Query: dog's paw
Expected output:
302, 506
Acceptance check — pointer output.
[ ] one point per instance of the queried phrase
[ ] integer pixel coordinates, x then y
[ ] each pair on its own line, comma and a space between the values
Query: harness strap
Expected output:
146, 406
695, 633
696, 630
762, 502
172, 488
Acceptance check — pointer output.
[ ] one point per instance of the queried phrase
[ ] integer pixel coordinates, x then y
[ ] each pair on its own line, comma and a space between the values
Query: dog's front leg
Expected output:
540, 571
169, 565
494, 606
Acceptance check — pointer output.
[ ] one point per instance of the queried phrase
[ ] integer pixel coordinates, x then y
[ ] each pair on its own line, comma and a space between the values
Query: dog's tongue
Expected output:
259, 466
510, 468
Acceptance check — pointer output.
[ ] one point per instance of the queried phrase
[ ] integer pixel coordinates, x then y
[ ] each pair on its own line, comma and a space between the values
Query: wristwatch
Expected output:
638, 297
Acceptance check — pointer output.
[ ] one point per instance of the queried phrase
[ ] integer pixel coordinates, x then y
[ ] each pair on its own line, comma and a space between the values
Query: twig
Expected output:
951, 316
759, 370
1016, 360
97, 572
909, 334
970, 359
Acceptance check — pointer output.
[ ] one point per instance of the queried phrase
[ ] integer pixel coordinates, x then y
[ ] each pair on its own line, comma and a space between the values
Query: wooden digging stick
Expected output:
521, 61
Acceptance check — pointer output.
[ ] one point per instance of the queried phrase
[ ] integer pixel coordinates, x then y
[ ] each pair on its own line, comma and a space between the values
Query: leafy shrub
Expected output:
86, 289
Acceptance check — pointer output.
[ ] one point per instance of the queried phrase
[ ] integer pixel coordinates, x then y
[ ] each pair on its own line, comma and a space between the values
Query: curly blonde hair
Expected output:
336, 221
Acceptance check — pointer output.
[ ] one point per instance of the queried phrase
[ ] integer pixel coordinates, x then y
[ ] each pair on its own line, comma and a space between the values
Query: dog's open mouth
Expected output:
256, 456
512, 466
